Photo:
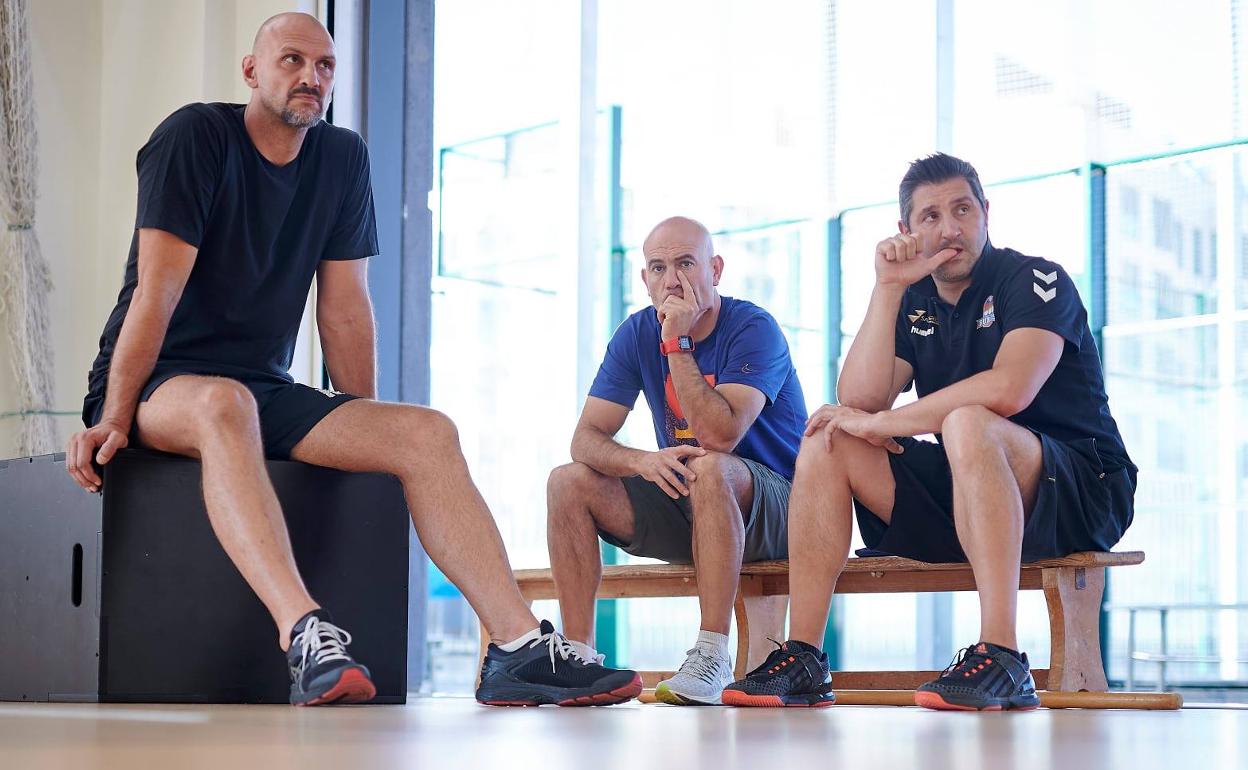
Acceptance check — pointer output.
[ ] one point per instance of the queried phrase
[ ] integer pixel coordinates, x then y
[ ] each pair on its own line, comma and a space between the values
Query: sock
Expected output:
520, 641
586, 652
718, 641
800, 646
1015, 653
319, 613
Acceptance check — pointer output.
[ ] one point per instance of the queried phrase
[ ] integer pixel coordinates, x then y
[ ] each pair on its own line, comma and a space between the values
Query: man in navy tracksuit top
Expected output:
1029, 463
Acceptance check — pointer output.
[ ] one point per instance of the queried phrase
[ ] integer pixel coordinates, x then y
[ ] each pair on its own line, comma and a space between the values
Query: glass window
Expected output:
1167, 358
763, 141
1129, 206
1039, 88
717, 125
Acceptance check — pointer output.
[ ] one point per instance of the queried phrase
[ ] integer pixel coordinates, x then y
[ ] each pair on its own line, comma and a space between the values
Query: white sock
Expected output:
718, 641
586, 652
520, 641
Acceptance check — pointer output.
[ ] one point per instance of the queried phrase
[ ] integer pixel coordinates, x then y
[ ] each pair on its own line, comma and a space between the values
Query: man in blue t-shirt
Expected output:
728, 417
1028, 465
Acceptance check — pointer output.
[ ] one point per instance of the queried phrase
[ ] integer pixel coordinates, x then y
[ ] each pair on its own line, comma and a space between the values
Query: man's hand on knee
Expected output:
830, 418
108, 437
667, 466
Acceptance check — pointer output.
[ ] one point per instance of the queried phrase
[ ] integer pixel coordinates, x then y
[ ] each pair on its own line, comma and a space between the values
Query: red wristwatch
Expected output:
681, 344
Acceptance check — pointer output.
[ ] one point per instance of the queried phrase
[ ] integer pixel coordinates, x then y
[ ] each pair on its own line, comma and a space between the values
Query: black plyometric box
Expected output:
126, 596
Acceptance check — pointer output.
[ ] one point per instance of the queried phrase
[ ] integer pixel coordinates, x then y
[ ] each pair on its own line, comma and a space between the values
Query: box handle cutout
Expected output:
76, 579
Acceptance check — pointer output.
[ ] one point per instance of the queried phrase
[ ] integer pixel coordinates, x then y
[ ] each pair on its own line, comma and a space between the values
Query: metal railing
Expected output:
1164, 657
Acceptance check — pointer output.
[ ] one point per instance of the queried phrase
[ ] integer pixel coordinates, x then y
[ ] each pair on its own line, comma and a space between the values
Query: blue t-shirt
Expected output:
746, 347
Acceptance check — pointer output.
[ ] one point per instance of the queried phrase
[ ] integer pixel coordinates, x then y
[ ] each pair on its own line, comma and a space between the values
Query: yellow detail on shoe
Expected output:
663, 694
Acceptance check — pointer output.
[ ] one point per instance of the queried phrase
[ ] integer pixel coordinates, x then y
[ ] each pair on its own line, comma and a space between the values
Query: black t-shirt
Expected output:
261, 231
946, 344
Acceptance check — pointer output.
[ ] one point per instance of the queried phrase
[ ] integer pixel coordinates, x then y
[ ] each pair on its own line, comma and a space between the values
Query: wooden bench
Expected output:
1073, 587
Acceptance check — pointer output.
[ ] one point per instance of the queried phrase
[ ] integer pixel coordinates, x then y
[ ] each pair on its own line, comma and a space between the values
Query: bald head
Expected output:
680, 233
291, 69
679, 256
291, 23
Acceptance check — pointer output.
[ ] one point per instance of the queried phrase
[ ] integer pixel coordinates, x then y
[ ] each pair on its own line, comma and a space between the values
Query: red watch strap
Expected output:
670, 346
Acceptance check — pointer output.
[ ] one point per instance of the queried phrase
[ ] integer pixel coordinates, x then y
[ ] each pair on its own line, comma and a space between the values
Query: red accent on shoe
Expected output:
738, 698
352, 687
618, 695
933, 700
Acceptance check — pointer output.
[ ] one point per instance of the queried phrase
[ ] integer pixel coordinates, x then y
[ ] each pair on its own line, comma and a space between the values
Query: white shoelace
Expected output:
558, 645
702, 664
322, 641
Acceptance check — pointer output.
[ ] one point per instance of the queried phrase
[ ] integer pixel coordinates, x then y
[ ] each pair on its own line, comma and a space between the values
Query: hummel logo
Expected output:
1048, 278
745, 369
929, 331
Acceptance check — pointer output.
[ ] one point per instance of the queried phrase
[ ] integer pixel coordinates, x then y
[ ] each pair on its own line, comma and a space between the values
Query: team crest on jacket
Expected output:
989, 317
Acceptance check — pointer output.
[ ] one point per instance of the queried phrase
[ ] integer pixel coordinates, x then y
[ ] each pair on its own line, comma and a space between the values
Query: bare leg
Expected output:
421, 447
722, 489
579, 502
821, 521
996, 468
214, 419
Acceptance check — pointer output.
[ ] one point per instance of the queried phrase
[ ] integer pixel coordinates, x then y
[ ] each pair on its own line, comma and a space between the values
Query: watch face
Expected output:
686, 343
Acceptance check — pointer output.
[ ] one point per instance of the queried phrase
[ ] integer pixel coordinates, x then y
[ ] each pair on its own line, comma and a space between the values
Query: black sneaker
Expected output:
795, 674
548, 670
983, 677
321, 670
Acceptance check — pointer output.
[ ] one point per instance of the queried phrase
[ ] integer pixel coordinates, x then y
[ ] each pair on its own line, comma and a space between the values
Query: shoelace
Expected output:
556, 644
963, 660
771, 658
701, 664
322, 641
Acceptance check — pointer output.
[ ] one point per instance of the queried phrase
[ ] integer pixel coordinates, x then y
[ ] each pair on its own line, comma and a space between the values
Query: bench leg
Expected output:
766, 621
741, 614
1074, 597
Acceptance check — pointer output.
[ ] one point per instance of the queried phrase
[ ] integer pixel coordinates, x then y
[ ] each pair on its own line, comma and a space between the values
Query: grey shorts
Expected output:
663, 527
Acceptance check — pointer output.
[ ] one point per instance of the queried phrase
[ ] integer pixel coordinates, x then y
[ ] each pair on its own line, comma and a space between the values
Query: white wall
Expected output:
106, 72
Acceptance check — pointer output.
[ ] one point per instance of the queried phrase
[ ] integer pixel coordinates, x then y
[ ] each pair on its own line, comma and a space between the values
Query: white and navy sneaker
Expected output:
550, 670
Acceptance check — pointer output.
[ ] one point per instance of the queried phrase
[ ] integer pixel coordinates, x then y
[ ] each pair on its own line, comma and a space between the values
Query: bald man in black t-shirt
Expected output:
240, 207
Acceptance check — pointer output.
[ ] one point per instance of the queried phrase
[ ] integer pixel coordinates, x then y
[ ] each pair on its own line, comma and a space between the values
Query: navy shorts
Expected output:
288, 410
1080, 505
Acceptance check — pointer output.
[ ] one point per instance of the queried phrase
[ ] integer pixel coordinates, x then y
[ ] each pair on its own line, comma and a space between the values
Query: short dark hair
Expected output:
932, 170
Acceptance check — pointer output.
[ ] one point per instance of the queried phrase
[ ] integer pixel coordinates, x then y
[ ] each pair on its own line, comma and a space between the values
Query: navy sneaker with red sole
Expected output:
795, 675
983, 677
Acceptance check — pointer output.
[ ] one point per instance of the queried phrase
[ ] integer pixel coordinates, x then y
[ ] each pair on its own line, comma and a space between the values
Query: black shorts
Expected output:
1080, 506
288, 410
663, 527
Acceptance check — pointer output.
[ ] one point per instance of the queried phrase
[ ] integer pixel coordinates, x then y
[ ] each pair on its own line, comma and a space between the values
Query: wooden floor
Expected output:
449, 733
